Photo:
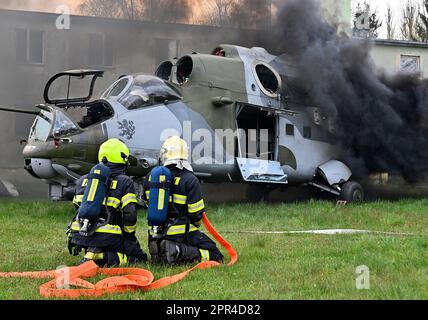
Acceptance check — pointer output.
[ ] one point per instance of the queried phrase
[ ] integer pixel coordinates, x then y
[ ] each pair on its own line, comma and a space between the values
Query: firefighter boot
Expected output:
155, 252
179, 253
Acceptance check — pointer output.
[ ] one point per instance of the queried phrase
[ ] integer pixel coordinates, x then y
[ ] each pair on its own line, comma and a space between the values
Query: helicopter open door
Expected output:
258, 145
61, 85
72, 91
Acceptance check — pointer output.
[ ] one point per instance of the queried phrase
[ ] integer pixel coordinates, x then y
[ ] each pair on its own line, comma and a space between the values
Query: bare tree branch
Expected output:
390, 23
409, 21
153, 10
422, 26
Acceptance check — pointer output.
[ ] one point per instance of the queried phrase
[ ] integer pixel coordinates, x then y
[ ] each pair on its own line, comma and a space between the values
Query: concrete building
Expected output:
390, 55
401, 56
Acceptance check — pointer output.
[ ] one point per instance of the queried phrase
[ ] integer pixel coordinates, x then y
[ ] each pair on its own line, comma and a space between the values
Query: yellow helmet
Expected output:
115, 151
174, 148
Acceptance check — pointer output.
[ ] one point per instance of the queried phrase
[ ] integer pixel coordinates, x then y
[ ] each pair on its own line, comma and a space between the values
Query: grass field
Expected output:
32, 237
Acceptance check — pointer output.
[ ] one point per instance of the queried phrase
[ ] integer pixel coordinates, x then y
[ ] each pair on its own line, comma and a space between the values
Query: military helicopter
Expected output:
238, 108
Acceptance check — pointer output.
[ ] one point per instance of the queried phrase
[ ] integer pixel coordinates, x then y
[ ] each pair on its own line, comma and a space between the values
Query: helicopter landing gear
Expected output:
352, 192
349, 192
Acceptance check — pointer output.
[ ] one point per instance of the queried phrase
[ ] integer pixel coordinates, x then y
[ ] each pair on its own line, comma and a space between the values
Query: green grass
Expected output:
32, 237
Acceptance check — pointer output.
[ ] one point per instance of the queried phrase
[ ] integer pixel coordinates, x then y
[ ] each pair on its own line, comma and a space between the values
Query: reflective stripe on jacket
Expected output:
121, 195
111, 229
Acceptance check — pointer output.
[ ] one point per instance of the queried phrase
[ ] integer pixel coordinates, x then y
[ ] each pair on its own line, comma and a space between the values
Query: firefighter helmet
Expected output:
114, 151
174, 149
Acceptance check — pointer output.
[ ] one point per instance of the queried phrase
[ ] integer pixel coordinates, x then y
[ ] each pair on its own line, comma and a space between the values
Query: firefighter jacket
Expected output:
186, 202
120, 206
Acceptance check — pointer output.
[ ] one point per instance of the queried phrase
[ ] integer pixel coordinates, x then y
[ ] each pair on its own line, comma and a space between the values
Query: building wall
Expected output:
396, 56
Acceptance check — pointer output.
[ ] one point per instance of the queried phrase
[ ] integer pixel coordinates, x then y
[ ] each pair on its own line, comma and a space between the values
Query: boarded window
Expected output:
410, 64
36, 46
21, 45
29, 46
101, 50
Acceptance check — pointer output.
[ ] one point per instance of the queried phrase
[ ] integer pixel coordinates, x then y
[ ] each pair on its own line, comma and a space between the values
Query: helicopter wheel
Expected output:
352, 192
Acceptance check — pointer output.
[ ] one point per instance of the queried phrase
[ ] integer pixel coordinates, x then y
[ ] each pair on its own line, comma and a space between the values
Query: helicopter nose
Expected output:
40, 168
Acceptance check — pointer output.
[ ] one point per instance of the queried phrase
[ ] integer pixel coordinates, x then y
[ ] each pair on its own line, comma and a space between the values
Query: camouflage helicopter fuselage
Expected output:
241, 113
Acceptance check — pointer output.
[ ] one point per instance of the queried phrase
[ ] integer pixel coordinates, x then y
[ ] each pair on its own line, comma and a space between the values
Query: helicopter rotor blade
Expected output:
14, 110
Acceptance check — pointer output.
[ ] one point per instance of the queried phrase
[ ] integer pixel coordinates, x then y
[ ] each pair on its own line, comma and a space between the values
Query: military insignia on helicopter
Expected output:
127, 129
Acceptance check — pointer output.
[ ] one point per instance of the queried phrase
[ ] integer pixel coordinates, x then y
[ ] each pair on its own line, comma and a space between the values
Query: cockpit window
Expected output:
117, 88
63, 125
90, 114
41, 128
148, 91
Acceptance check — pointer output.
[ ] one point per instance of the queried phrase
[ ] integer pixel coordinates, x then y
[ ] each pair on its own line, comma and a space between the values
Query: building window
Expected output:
289, 130
410, 64
29, 46
100, 50
307, 132
166, 49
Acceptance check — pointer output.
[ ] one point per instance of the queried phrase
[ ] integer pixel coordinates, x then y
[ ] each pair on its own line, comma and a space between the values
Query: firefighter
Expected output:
113, 242
179, 240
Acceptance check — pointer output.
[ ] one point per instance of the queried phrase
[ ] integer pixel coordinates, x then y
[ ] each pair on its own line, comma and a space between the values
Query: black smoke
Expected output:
382, 119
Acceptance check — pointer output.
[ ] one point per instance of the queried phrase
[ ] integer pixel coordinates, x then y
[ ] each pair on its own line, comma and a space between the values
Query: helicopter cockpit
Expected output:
141, 91
76, 113
72, 112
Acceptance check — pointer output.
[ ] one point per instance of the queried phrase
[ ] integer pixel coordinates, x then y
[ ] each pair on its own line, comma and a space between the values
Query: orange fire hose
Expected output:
120, 280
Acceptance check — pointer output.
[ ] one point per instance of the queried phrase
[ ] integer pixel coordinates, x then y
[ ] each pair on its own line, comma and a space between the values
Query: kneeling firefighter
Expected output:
106, 205
175, 210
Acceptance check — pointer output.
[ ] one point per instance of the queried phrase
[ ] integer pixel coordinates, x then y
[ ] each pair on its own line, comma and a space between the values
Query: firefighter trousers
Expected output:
110, 250
193, 247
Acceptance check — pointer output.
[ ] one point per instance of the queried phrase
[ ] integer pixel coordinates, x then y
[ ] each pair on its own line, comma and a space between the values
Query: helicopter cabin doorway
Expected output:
257, 138
258, 145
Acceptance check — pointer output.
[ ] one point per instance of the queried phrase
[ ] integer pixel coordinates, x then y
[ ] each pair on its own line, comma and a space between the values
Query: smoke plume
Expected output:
382, 119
